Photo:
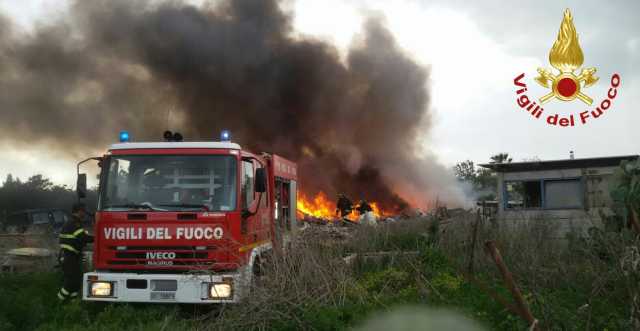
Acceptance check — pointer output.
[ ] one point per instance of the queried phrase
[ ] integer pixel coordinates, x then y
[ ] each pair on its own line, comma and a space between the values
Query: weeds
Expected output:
29, 302
575, 284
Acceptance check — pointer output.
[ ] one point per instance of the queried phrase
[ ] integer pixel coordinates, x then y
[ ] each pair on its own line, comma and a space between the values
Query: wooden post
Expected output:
525, 313
474, 238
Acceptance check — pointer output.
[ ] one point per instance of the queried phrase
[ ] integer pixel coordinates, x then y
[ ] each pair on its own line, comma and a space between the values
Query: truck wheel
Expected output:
257, 274
257, 270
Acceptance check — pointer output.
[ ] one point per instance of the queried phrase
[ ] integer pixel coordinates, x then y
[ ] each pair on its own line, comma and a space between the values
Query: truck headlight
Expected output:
220, 290
101, 289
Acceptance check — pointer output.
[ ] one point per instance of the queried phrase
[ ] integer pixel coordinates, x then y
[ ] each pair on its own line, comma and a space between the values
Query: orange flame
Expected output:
323, 207
320, 206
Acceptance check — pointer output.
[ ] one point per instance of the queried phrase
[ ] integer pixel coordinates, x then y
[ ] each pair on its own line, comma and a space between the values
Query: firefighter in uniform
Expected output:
364, 207
73, 238
344, 205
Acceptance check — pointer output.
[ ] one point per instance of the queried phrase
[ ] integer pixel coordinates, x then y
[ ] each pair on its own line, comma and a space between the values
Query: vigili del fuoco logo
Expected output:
565, 84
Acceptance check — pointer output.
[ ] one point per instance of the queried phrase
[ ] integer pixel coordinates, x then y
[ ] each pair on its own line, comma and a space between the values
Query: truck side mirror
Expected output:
81, 183
81, 186
260, 184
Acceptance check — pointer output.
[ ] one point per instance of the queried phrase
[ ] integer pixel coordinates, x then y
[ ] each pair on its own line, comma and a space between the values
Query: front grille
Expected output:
158, 256
162, 248
174, 263
143, 255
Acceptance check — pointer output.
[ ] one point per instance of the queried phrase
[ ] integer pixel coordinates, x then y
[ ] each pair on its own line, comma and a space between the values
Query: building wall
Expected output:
595, 190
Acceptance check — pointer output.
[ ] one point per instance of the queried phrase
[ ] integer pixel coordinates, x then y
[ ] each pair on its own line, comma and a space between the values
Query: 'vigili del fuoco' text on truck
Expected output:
186, 222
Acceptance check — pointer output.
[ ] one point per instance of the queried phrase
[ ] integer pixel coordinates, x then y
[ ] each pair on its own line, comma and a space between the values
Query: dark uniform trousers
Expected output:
344, 206
72, 240
72, 274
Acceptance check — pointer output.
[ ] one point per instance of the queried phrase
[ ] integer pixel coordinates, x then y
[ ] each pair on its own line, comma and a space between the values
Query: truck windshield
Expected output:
169, 183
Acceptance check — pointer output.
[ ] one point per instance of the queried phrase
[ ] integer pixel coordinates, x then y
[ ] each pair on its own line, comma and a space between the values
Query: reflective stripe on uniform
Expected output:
63, 291
74, 235
74, 294
69, 247
61, 297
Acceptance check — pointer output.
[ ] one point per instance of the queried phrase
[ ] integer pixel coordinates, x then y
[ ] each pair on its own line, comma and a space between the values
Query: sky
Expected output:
475, 50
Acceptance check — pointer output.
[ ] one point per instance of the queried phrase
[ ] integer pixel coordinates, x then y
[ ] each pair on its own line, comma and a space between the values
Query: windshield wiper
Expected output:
131, 206
186, 205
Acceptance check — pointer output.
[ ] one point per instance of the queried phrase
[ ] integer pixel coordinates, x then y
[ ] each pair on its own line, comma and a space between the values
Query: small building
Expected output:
571, 194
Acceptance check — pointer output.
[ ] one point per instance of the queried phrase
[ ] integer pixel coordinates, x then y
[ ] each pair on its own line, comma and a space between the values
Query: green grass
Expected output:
29, 302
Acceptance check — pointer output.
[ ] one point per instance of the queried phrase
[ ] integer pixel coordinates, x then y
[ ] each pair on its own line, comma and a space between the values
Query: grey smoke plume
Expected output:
351, 124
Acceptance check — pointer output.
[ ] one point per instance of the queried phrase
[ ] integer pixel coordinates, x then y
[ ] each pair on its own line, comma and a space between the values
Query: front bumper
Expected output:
163, 288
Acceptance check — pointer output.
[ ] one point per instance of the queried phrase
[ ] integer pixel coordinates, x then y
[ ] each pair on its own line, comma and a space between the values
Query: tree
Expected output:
39, 183
483, 181
501, 158
38, 192
465, 171
486, 179
625, 190
8, 180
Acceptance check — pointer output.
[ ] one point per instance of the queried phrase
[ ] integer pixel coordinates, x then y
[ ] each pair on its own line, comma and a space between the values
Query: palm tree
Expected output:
501, 158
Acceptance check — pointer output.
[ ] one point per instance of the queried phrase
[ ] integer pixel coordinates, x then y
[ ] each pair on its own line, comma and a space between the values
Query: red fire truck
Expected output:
186, 222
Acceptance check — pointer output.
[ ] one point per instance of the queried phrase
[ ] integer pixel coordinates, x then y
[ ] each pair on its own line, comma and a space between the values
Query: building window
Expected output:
563, 194
523, 194
544, 193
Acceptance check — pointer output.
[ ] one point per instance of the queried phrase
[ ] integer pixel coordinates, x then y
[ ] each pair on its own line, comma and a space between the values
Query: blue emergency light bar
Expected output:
124, 136
225, 135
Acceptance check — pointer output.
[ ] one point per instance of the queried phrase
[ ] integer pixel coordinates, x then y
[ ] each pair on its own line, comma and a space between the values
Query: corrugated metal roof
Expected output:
608, 161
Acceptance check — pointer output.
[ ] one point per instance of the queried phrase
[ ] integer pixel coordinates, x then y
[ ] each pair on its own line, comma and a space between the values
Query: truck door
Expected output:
254, 228
285, 209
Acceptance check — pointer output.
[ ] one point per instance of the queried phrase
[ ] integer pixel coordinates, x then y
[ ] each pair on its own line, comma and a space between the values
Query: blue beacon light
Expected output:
225, 135
124, 136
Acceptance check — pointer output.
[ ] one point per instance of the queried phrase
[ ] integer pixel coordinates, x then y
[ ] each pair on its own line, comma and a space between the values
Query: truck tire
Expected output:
258, 273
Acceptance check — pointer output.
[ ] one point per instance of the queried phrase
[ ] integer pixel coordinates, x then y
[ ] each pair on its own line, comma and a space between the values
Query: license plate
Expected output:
163, 295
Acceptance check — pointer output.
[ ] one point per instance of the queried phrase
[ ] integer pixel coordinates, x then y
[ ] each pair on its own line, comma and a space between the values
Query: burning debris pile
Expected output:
324, 211
321, 209
355, 123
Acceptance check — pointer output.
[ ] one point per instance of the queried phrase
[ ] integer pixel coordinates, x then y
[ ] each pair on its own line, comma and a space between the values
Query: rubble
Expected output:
27, 252
368, 219
28, 259
327, 234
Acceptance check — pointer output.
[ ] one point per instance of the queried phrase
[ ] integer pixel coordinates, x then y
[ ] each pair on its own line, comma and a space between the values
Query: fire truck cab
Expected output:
186, 222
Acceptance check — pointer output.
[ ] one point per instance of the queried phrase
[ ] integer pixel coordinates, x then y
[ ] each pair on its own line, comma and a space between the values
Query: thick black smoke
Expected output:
352, 124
